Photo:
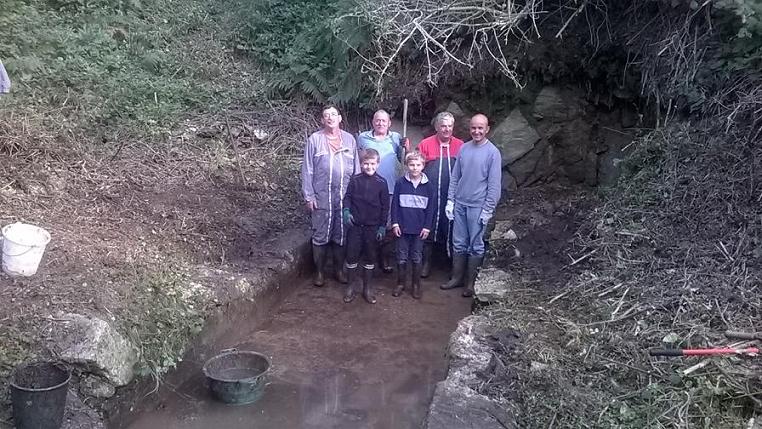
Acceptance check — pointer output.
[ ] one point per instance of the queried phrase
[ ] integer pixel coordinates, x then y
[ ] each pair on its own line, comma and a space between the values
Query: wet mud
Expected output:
335, 365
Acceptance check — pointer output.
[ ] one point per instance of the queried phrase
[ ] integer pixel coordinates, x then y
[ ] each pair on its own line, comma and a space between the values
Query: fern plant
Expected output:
305, 52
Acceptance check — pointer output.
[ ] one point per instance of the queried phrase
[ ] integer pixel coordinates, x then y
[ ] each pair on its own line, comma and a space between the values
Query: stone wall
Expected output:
557, 136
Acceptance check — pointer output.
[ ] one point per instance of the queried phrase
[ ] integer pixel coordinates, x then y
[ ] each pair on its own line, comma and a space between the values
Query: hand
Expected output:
450, 210
397, 231
406, 143
311, 206
348, 218
424, 234
380, 233
484, 217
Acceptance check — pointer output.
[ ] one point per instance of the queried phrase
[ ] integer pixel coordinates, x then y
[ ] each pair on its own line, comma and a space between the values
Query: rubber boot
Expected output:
339, 255
428, 249
349, 291
417, 268
474, 262
458, 270
401, 274
367, 288
318, 256
387, 252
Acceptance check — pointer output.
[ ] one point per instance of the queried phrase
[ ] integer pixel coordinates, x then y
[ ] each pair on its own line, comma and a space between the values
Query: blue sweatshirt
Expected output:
476, 178
388, 150
413, 205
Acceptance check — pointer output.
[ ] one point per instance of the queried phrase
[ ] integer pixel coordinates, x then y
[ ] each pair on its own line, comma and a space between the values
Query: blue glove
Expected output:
348, 218
380, 233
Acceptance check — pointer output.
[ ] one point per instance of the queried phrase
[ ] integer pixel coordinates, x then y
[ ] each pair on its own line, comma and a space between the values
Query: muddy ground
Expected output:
123, 222
131, 222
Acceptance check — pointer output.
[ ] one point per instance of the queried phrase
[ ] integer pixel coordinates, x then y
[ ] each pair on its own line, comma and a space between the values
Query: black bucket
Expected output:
237, 377
38, 393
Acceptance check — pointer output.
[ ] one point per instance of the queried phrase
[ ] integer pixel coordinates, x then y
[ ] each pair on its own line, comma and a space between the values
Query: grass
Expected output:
116, 68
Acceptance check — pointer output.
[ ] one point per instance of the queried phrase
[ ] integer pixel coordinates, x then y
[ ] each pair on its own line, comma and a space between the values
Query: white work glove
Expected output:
450, 210
484, 217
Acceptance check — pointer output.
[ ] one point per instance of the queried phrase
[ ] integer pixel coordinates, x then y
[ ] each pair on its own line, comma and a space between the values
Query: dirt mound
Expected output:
671, 259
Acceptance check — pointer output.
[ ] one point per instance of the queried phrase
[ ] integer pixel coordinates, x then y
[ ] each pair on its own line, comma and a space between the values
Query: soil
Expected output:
334, 365
179, 206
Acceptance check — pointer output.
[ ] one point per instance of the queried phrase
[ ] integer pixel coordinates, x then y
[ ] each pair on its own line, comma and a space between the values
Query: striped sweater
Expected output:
413, 206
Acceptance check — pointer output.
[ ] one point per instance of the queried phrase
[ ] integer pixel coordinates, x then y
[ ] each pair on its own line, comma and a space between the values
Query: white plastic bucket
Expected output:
23, 246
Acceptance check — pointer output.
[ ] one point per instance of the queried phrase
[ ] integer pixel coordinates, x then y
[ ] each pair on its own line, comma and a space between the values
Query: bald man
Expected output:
471, 200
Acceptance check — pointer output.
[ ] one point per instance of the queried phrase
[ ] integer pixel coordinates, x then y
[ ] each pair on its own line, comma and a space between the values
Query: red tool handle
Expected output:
702, 352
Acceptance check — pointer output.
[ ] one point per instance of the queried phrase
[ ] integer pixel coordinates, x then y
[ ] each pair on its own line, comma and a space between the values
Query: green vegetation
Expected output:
117, 66
163, 321
305, 49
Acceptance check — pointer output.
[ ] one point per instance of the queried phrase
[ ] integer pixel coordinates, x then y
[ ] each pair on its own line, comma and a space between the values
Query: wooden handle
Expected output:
404, 118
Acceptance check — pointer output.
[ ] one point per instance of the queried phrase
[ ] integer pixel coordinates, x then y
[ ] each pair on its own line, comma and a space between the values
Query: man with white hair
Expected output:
389, 146
440, 151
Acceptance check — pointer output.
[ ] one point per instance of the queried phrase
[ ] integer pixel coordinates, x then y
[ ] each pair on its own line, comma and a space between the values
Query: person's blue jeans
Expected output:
409, 249
467, 231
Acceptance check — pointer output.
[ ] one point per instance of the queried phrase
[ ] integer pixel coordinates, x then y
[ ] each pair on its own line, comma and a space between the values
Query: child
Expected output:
366, 207
412, 216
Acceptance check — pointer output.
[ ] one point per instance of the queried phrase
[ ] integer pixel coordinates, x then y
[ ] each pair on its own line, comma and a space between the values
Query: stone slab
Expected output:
493, 284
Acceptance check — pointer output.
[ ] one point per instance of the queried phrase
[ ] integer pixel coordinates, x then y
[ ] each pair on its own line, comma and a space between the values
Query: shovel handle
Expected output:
703, 352
665, 352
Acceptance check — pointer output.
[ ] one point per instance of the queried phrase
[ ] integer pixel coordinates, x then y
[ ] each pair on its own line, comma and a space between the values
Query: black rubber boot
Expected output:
428, 249
318, 256
387, 255
349, 292
339, 255
417, 281
458, 271
401, 274
474, 262
367, 288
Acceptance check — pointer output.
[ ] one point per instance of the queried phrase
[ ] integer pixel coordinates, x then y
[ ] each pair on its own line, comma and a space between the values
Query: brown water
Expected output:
335, 365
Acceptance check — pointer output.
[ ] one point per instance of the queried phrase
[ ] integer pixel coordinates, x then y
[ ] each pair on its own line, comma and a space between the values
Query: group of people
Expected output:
361, 201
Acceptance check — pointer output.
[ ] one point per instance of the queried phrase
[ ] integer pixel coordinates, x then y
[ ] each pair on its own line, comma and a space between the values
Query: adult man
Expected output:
389, 147
472, 197
330, 160
440, 151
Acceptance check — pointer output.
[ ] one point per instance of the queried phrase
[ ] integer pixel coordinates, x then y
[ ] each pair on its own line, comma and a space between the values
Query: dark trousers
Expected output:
409, 249
362, 246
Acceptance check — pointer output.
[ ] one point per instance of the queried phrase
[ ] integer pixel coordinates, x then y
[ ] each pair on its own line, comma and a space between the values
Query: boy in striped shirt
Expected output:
412, 216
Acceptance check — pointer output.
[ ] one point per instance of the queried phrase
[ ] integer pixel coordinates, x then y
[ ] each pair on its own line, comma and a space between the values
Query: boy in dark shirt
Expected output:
412, 216
366, 208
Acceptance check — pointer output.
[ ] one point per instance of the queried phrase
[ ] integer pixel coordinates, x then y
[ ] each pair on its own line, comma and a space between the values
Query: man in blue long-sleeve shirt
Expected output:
471, 201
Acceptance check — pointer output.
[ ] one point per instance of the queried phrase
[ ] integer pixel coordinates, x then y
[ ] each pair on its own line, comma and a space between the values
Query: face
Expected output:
444, 129
381, 123
479, 128
415, 167
369, 166
331, 118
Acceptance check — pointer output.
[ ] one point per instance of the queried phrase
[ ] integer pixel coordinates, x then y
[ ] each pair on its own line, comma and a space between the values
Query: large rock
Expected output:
555, 105
96, 345
456, 404
507, 184
528, 165
493, 284
514, 137
571, 145
616, 144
